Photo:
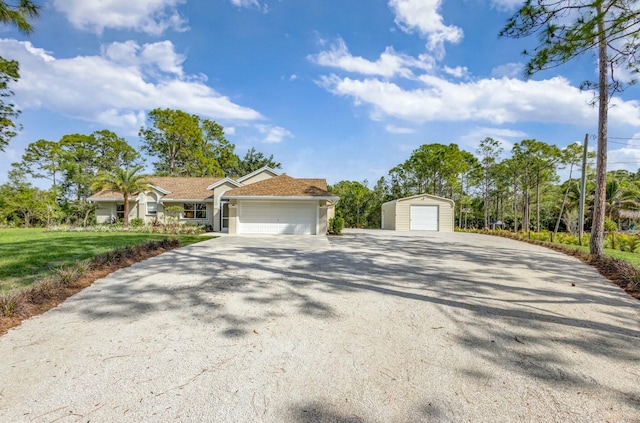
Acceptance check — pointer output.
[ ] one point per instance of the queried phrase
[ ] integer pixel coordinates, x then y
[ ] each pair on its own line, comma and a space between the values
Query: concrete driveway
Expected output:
372, 326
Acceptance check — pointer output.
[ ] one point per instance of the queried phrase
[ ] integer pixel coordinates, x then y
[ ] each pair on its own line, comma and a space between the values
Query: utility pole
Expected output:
583, 187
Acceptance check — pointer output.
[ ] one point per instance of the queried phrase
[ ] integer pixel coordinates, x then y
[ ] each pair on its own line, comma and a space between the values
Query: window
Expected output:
152, 208
120, 211
152, 203
195, 211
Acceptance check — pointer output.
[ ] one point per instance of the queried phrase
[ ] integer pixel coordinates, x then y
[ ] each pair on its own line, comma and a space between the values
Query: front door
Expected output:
224, 217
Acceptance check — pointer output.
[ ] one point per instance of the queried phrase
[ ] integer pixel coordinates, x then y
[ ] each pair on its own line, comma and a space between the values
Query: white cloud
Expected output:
458, 71
626, 157
471, 140
116, 87
506, 5
424, 16
399, 129
389, 64
245, 3
160, 56
492, 100
509, 70
148, 16
273, 134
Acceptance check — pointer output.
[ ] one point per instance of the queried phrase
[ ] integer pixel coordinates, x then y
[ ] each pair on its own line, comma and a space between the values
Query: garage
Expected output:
422, 212
277, 217
423, 218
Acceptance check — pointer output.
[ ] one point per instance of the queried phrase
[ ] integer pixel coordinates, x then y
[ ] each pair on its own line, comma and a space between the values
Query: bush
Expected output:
335, 225
136, 222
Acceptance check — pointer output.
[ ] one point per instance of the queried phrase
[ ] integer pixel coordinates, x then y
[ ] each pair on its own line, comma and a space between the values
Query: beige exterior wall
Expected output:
331, 211
233, 216
257, 178
104, 212
389, 215
403, 212
217, 193
323, 220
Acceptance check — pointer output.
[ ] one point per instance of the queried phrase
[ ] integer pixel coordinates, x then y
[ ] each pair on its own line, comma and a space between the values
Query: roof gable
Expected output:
264, 169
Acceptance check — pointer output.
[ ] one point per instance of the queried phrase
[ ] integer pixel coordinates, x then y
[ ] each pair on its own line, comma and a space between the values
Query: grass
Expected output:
631, 258
27, 255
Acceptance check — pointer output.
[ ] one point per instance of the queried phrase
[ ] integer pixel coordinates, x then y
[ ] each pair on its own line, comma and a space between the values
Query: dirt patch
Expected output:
50, 299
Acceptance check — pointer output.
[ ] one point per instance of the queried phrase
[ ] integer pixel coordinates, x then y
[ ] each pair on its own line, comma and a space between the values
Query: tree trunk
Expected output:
564, 201
125, 221
515, 206
596, 244
538, 201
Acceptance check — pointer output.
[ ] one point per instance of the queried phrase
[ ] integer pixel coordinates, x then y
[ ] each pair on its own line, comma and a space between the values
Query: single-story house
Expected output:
422, 212
264, 201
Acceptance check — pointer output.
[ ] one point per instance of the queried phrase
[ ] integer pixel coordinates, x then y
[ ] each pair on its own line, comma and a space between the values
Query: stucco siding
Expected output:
331, 212
323, 212
104, 212
257, 178
233, 217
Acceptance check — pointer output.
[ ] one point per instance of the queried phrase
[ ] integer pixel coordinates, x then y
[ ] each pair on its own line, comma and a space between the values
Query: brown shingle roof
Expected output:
108, 194
282, 186
320, 183
180, 188
184, 188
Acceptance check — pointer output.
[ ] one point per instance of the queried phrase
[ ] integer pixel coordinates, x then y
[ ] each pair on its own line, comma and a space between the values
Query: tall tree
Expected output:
568, 29
127, 181
16, 14
79, 165
253, 161
113, 151
42, 160
8, 73
489, 152
355, 202
219, 148
186, 145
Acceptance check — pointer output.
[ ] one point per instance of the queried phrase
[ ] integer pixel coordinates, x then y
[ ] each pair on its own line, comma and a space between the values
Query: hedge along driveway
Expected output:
29, 254
369, 327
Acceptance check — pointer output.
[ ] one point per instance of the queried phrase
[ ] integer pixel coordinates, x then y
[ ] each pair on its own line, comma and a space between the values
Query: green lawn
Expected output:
629, 257
29, 254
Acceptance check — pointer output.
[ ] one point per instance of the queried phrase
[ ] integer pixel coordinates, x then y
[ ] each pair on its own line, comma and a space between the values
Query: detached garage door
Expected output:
277, 217
424, 218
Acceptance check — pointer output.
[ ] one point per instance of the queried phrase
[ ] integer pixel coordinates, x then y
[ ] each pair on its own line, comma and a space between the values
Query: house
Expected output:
419, 213
263, 202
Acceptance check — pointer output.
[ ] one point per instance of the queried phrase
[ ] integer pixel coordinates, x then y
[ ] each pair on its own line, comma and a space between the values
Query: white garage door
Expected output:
277, 217
424, 218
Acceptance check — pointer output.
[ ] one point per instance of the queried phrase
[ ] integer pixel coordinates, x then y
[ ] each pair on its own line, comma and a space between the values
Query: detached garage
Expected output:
419, 213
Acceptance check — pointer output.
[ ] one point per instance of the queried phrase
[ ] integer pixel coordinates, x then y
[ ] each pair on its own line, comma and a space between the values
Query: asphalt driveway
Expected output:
372, 326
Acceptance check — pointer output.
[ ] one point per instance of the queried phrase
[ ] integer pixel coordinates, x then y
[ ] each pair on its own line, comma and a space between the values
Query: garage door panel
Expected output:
424, 218
273, 217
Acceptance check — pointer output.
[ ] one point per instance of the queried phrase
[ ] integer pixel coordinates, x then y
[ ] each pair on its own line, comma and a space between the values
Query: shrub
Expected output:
136, 222
9, 302
335, 225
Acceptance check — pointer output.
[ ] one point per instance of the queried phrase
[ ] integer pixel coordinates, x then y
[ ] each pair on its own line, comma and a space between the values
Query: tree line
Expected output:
180, 144
522, 191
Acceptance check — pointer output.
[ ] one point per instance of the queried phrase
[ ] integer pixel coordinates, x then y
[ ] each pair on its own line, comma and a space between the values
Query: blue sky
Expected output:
333, 89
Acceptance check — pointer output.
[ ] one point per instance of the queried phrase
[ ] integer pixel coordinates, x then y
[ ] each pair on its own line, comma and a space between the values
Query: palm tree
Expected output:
619, 196
125, 181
